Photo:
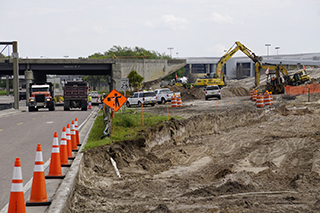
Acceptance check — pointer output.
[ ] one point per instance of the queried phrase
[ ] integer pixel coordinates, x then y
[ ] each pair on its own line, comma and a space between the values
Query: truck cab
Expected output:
41, 96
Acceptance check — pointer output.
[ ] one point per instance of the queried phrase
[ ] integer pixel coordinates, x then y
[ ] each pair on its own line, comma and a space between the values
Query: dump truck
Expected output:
41, 96
75, 95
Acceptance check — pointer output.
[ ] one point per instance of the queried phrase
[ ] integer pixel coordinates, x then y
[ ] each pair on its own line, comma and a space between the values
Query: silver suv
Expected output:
212, 91
145, 98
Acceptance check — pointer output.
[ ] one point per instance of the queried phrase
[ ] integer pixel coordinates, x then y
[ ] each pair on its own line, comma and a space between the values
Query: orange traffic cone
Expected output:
16, 203
89, 105
73, 138
69, 144
38, 196
64, 149
76, 127
55, 162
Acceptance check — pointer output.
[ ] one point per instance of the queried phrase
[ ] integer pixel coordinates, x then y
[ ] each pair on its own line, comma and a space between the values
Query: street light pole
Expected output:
267, 45
170, 48
277, 48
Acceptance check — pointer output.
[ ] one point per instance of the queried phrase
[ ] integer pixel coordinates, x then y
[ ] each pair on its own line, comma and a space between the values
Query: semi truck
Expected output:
75, 95
41, 96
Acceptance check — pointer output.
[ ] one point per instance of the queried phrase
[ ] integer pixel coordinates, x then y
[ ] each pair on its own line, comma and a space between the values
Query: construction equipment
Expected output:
275, 83
218, 78
41, 96
75, 95
181, 82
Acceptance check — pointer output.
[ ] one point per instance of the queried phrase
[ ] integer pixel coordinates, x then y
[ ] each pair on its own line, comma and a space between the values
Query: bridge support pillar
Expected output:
116, 76
29, 77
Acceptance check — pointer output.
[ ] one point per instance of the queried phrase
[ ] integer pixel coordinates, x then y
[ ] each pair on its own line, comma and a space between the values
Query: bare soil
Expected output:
221, 156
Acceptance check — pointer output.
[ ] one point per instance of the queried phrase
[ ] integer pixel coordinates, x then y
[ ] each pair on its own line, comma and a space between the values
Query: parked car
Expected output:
95, 97
212, 91
163, 95
145, 98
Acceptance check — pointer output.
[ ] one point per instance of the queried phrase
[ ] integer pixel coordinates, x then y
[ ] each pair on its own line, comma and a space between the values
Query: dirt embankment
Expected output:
239, 161
198, 93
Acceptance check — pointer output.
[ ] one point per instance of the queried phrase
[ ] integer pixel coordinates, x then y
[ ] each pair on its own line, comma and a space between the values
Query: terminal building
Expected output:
242, 67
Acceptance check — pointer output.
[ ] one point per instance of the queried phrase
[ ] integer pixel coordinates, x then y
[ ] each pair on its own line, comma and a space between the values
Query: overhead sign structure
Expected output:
115, 100
124, 84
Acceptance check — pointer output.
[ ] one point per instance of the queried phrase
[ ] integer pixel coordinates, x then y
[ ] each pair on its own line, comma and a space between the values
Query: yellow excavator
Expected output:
275, 83
218, 78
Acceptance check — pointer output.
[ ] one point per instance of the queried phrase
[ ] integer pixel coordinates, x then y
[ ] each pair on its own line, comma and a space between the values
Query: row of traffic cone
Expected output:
59, 158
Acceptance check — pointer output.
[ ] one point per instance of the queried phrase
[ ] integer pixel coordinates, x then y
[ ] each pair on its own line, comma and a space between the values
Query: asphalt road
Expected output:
19, 135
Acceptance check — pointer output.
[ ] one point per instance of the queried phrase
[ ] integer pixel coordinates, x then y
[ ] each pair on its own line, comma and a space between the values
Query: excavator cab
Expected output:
275, 84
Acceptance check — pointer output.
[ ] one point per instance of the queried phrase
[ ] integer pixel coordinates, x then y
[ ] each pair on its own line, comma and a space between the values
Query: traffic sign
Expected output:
115, 100
124, 82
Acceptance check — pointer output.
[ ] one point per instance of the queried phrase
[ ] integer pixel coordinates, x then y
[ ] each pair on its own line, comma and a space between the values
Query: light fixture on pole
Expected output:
277, 48
267, 45
170, 48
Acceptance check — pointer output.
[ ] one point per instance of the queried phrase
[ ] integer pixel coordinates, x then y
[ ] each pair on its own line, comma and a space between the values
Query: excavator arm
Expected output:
237, 46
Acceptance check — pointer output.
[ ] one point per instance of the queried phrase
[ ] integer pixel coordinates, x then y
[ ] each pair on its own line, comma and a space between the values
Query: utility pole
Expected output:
15, 56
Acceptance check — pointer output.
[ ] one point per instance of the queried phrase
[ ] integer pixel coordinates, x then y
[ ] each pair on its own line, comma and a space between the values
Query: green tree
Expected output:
135, 79
180, 73
127, 51
95, 80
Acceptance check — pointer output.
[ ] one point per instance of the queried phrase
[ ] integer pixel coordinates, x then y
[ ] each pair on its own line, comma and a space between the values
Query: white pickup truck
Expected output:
163, 95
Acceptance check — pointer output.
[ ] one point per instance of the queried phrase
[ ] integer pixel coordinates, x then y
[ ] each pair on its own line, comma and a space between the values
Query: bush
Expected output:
124, 121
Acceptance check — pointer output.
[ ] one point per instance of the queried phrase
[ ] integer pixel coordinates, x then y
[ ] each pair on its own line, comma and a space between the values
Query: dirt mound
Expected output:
188, 94
198, 93
283, 110
234, 91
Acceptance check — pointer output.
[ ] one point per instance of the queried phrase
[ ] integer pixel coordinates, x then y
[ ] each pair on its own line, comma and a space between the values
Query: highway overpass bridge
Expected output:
149, 69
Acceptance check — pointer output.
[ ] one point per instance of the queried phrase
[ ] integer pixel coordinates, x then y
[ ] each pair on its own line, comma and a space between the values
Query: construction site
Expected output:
221, 156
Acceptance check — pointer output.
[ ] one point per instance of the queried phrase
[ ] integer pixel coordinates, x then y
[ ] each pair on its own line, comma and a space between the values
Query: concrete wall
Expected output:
149, 69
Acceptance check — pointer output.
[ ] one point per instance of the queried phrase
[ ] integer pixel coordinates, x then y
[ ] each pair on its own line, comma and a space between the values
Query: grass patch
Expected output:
125, 126
95, 134
4, 92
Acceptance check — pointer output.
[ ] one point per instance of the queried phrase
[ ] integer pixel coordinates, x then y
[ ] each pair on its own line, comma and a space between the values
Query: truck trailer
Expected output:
75, 95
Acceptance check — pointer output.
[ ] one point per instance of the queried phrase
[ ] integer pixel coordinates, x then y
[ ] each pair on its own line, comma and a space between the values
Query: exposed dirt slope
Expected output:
241, 160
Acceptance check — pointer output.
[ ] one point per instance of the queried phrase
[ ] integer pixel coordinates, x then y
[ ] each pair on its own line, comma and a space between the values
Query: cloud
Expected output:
218, 49
175, 23
149, 24
221, 19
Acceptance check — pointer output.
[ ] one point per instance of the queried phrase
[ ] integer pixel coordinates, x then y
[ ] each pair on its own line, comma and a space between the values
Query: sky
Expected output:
193, 28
